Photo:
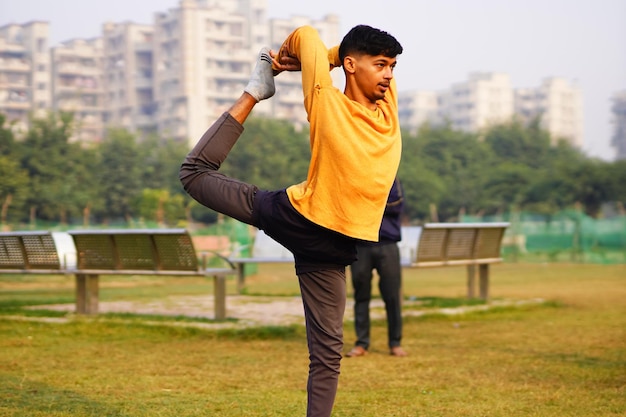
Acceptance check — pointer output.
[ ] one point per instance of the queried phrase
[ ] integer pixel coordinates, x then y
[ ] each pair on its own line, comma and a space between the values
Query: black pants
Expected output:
320, 270
385, 259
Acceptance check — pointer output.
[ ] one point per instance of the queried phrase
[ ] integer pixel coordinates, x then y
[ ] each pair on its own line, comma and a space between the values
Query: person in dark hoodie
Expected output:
384, 257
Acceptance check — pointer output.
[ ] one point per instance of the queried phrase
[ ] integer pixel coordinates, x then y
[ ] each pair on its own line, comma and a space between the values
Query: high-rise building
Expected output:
488, 98
128, 77
288, 101
416, 108
481, 101
172, 78
618, 109
559, 106
175, 76
202, 59
77, 86
24, 72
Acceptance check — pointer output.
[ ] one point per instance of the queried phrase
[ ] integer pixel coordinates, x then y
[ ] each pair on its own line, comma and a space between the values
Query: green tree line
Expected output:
45, 176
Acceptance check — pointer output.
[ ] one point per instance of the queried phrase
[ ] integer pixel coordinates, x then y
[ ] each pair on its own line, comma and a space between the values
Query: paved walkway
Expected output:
256, 310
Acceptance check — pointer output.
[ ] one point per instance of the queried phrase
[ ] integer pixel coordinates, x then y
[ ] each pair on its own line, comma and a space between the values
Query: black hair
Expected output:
370, 41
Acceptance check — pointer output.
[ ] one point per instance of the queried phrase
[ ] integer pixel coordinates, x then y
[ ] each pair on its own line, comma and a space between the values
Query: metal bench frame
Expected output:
454, 244
28, 252
439, 244
111, 252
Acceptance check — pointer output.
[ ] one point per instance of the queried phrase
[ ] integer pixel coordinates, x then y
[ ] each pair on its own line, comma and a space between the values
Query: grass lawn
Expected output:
562, 355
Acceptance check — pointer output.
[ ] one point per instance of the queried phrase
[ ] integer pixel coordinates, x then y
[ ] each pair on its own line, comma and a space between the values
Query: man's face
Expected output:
373, 75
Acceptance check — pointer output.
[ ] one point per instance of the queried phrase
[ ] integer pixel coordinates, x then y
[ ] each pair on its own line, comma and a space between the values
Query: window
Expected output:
41, 45
236, 29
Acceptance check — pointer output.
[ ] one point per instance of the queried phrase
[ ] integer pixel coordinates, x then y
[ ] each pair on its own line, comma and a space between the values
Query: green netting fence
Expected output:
566, 236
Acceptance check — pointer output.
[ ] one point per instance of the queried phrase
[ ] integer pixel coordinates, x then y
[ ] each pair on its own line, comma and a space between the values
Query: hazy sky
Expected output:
583, 41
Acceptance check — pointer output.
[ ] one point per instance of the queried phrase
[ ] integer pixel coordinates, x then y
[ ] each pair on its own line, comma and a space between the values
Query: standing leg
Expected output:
361, 271
324, 299
390, 283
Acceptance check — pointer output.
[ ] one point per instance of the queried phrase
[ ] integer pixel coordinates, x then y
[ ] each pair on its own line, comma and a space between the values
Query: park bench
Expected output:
111, 252
28, 252
453, 244
431, 245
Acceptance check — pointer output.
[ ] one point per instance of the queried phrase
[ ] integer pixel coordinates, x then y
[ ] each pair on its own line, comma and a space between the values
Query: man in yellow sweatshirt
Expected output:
355, 152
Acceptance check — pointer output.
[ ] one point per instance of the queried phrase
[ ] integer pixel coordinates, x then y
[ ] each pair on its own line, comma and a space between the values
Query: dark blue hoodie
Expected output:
391, 226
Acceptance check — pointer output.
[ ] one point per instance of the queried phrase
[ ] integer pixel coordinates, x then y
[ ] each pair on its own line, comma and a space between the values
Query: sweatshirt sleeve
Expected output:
333, 57
305, 44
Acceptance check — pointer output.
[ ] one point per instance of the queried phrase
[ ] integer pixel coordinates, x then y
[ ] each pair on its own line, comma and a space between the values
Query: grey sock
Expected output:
261, 84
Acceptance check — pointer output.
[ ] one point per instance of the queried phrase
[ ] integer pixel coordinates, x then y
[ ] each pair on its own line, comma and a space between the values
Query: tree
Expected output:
422, 187
161, 207
53, 165
160, 160
269, 154
13, 190
462, 163
120, 173
616, 173
7, 139
528, 145
593, 185
506, 186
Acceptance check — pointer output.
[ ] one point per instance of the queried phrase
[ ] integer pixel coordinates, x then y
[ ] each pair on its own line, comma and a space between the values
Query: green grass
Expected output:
564, 355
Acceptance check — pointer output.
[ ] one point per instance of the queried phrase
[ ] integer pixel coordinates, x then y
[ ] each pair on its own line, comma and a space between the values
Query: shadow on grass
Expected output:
27, 398
444, 302
19, 299
193, 325
175, 326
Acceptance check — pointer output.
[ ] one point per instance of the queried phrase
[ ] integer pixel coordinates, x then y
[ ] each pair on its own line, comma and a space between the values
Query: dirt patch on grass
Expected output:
260, 310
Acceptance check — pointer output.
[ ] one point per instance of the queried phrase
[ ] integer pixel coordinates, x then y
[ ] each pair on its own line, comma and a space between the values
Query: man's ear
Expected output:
349, 64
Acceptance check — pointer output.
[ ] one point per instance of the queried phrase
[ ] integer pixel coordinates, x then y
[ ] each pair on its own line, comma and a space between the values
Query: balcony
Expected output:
15, 65
8, 105
143, 83
13, 84
143, 47
143, 121
76, 69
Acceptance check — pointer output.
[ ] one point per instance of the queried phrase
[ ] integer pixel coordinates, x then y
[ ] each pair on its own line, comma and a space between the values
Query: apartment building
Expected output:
287, 104
618, 108
177, 75
202, 60
77, 86
128, 77
204, 52
171, 78
481, 101
558, 103
24, 72
416, 108
488, 98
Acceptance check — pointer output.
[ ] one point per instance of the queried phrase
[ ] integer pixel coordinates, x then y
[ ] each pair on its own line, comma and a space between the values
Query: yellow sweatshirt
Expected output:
355, 152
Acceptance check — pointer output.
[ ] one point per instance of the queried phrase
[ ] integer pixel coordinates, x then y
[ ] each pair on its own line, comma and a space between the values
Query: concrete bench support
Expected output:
87, 293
